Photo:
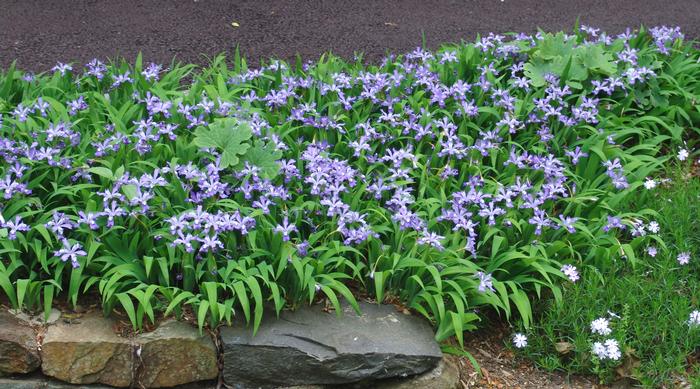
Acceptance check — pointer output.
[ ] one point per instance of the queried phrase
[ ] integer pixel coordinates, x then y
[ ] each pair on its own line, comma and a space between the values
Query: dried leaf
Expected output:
628, 366
564, 347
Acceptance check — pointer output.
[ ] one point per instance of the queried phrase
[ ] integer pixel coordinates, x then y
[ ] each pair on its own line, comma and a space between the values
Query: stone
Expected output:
18, 347
47, 383
310, 346
39, 319
54, 315
444, 376
306, 387
88, 351
41, 383
175, 353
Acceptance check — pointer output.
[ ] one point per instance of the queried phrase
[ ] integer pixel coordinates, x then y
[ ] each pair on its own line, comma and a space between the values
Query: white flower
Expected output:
601, 326
650, 184
599, 350
571, 272
683, 154
683, 258
694, 319
520, 340
613, 349
654, 227
608, 350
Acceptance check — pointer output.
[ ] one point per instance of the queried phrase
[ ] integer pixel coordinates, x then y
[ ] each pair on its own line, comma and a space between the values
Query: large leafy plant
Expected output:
560, 55
228, 137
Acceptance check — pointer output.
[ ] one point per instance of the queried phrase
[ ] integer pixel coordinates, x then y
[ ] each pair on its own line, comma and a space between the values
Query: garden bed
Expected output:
472, 179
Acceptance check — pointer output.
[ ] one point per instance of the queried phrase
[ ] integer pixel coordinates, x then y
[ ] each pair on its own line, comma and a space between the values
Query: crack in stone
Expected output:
218, 345
292, 321
314, 342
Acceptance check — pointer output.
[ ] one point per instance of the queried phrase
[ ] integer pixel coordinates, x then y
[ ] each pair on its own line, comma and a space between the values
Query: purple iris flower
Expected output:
613, 222
210, 243
15, 226
59, 223
285, 229
70, 252
431, 239
485, 282
89, 218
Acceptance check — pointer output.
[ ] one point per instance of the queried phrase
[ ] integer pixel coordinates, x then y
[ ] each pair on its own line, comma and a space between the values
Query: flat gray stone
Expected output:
18, 348
310, 346
88, 352
174, 354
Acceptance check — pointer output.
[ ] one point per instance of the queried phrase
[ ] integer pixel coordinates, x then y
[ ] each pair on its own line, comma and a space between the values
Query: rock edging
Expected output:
19, 353
308, 348
89, 352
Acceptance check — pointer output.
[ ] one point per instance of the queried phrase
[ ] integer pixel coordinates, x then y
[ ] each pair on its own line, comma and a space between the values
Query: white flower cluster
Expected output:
609, 349
640, 229
694, 319
683, 258
601, 326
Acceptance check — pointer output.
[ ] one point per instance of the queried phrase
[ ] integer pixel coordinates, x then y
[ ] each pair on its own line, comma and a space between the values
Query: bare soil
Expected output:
501, 369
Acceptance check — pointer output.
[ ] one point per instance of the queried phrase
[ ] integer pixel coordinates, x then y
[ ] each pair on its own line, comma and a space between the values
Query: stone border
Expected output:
86, 351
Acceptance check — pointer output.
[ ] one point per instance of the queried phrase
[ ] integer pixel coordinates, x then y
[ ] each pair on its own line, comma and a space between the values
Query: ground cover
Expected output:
473, 179
650, 308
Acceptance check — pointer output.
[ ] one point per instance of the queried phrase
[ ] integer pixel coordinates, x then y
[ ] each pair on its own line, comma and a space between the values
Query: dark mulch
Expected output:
37, 33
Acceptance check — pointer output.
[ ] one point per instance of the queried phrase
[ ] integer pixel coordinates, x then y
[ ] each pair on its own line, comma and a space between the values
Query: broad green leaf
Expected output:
227, 136
265, 157
594, 57
102, 172
554, 46
128, 306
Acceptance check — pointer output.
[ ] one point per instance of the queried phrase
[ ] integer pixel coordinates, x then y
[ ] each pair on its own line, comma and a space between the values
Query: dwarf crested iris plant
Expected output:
477, 175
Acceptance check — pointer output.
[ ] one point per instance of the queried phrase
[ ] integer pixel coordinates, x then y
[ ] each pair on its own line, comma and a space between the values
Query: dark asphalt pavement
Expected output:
37, 33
